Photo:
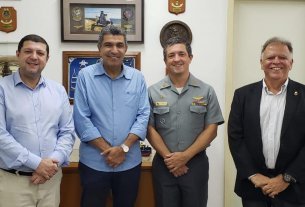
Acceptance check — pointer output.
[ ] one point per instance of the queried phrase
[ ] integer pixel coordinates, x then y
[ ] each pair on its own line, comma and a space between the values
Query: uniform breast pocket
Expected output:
162, 117
197, 116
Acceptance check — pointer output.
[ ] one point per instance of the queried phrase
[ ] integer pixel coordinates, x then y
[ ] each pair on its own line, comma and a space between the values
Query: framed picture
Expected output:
83, 20
74, 61
8, 65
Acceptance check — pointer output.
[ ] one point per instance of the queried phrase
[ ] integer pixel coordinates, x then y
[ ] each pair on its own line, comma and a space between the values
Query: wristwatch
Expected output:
125, 148
288, 178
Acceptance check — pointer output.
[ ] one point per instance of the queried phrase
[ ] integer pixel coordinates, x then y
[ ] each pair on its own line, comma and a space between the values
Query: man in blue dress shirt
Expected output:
36, 130
111, 112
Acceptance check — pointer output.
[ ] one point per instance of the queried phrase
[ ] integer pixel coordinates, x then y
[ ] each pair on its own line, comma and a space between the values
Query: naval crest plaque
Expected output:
8, 19
176, 6
175, 28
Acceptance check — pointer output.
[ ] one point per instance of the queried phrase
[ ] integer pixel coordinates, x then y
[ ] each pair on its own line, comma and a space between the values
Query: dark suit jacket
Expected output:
246, 146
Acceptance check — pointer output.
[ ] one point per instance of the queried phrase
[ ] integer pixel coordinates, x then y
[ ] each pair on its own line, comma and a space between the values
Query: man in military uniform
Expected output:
184, 118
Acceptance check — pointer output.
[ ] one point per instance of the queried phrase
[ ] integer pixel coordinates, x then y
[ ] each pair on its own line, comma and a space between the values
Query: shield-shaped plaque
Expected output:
8, 19
176, 6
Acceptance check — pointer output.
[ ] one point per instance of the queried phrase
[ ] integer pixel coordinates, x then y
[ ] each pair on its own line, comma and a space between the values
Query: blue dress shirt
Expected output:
34, 123
110, 108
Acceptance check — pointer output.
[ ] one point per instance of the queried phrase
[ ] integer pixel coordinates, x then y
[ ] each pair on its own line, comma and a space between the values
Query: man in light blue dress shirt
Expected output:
111, 112
36, 130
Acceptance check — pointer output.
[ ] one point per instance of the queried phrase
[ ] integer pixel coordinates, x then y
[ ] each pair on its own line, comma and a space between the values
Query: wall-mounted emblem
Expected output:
175, 28
8, 19
176, 6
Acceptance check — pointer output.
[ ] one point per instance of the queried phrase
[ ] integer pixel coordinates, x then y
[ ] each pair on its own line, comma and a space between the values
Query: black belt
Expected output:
17, 172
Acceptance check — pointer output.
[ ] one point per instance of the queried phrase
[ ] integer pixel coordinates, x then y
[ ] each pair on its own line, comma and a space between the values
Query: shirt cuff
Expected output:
139, 133
58, 156
90, 134
251, 176
33, 161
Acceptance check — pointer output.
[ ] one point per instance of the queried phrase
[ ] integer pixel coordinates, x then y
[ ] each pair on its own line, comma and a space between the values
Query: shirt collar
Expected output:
192, 81
17, 79
283, 88
100, 70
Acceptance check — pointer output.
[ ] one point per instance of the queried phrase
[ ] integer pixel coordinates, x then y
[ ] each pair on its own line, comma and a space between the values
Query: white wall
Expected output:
257, 21
207, 20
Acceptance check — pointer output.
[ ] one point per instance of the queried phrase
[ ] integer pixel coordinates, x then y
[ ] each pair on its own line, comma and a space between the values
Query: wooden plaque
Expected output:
176, 6
8, 19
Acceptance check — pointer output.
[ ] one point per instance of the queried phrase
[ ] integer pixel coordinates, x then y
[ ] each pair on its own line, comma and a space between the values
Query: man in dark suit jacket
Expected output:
266, 132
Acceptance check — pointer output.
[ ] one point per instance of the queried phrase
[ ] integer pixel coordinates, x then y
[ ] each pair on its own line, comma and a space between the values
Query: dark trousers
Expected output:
189, 190
97, 185
269, 203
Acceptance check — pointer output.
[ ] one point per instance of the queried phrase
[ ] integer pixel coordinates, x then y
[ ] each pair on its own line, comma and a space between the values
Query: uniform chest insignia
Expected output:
164, 85
198, 101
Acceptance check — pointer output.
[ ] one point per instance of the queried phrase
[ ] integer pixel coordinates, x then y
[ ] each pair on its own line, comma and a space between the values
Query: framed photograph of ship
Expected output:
83, 20
74, 61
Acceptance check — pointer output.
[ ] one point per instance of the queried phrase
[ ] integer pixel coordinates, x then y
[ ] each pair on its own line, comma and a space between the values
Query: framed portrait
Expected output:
83, 20
74, 61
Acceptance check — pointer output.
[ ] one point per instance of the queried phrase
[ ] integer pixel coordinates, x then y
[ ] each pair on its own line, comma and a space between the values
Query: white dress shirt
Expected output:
272, 109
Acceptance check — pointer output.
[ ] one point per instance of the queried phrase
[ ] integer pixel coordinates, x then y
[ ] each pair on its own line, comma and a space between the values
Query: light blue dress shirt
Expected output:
34, 123
110, 108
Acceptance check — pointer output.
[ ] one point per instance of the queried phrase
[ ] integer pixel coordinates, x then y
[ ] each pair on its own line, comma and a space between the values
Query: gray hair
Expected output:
112, 30
277, 40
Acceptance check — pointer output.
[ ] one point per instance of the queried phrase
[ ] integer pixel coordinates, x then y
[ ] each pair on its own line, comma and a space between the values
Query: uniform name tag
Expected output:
161, 103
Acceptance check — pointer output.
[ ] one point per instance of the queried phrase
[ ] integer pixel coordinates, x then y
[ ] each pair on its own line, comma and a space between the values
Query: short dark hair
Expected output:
177, 40
112, 30
33, 38
277, 40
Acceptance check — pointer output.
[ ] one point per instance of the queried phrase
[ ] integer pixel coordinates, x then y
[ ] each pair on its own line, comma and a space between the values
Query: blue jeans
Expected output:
97, 185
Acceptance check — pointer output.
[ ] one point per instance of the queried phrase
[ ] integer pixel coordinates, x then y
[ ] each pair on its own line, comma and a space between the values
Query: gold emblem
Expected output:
198, 101
8, 19
176, 6
198, 98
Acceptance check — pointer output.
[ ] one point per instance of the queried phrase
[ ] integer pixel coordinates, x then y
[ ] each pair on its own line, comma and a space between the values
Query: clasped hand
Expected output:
269, 186
46, 169
176, 163
114, 156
